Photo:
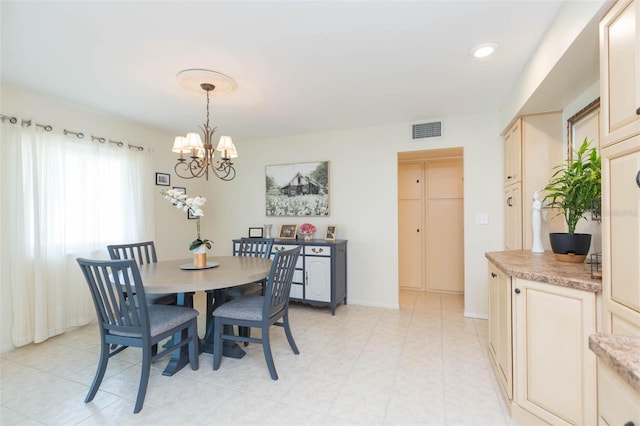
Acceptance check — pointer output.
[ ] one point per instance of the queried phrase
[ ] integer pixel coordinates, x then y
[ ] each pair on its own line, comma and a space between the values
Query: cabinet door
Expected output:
500, 343
318, 279
513, 217
621, 235
410, 229
618, 403
411, 247
554, 368
444, 269
410, 181
513, 154
620, 71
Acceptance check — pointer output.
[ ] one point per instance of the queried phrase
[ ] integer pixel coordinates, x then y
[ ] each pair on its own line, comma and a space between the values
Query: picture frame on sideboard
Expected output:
288, 232
330, 233
256, 232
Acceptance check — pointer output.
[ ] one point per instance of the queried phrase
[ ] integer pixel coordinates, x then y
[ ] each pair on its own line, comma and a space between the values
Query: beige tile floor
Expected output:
422, 365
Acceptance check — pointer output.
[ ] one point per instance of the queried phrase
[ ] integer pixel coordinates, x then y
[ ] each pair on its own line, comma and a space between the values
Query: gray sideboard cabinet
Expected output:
320, 278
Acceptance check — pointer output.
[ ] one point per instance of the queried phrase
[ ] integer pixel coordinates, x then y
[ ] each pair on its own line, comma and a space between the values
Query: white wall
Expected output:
363, 198
569, 22
363, 184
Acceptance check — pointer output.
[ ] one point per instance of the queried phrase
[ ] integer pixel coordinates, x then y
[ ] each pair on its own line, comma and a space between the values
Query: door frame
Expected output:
430, 155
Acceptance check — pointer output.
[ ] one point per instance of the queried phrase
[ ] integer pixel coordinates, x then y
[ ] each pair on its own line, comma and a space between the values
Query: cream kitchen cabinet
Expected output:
500, 342
620, 72
513, 217
513, 153
618, 403
541, 314
618, 378
554, 369
621, 237
620, 143
532, 147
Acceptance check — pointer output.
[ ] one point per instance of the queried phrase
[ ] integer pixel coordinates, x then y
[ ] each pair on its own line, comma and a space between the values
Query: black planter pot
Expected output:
570, 247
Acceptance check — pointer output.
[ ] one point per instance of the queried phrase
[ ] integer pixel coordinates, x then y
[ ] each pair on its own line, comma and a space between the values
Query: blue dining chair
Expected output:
142, 252
125, 323
251, 247
260, 311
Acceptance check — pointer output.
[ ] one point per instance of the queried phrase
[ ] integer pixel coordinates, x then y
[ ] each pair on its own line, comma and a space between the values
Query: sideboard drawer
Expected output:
317, 251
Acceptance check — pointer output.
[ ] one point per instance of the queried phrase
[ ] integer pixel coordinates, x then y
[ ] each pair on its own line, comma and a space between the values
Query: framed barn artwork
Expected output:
300, 189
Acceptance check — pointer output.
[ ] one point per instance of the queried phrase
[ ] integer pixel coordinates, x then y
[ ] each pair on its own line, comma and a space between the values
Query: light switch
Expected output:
482, 218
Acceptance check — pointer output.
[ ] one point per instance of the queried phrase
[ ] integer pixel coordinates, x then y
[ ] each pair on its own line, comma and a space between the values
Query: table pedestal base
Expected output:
230, 349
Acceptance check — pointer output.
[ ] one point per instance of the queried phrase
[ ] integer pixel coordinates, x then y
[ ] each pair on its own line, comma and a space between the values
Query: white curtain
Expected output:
63, 198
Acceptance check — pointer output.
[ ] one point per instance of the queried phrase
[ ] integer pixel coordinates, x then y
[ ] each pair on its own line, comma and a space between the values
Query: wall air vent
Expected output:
427, 130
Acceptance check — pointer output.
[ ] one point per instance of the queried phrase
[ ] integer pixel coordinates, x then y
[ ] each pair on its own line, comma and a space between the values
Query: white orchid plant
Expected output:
192, 205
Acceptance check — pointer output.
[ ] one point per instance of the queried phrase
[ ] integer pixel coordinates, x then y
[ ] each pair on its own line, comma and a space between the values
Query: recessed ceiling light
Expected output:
483, 50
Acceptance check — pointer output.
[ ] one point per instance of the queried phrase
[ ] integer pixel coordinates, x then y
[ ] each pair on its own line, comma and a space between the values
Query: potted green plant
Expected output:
574, 190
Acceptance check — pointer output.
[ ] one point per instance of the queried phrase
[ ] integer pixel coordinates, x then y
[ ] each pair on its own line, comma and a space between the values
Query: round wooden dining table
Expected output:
221, 273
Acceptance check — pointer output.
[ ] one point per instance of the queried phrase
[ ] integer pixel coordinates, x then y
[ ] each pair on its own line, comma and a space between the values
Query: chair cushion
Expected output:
163, 318
245, 290
244, 308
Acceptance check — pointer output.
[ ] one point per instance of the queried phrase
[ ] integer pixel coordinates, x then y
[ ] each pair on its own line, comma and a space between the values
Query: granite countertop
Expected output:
544, 267
621, 353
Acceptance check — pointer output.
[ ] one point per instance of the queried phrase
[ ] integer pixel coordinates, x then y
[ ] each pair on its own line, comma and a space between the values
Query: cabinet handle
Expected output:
493, 275
417, 230
638, 179
509, 201
509, 177
517, 290
316, 251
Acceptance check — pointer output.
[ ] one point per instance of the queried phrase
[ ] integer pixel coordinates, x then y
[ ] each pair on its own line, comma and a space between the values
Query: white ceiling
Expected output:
300, 66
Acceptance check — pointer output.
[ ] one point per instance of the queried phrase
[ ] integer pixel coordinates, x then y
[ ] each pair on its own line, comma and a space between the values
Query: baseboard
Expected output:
373, 305
475, 315
525, 418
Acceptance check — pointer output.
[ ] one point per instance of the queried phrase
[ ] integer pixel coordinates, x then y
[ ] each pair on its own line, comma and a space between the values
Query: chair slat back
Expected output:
143, 252
256, 247
113, 284
278, 285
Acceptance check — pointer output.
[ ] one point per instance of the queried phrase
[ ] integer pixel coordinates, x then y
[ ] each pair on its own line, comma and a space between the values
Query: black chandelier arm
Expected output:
188, 169
225, 170
197, 167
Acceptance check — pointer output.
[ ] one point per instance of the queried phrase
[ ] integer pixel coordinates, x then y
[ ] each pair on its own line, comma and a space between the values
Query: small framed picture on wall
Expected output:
163, 179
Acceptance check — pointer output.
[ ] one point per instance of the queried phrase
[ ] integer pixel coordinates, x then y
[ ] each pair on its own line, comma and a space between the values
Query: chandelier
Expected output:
198, 150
